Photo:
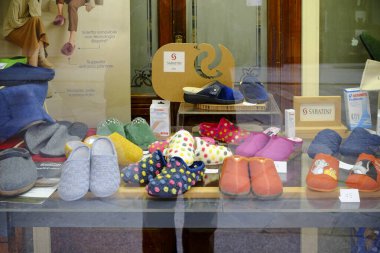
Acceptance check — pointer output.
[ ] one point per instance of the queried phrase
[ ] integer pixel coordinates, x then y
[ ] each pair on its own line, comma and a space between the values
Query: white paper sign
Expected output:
174, 61
211, 171
349, 195
281, 166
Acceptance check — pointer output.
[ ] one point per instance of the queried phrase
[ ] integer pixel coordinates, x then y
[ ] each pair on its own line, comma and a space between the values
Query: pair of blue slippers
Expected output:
359, 141
250, 90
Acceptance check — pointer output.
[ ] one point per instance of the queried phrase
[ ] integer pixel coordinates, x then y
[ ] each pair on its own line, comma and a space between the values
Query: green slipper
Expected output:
140, 133
109, 127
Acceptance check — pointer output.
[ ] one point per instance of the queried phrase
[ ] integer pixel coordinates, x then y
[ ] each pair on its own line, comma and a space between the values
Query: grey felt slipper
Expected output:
37, 136
18, 172
66, 132
75, 176
105, 173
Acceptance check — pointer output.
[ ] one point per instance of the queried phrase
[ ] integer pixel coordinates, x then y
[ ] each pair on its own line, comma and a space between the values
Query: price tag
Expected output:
349, 195
281, 166
211, 171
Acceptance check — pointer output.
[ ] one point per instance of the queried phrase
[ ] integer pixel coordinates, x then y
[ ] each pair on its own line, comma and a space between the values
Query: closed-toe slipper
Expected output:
110, 126
140, 133
280, 148
145, 170
253, 90
67, 49
234, 178
323, 173
181, 145
214, 93
265, 181
18, 172
327, 142
37, 136
252, 144
365, 175
224, 131
360, 141
105, 173
176, 178
158, 145
75, 176
71, 145
210, 154
127, 151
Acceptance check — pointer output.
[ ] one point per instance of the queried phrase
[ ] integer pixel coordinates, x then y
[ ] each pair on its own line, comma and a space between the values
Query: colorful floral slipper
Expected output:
365, 175
182, 145
145, 170
224, 131
323, 173
176, 178
210, 154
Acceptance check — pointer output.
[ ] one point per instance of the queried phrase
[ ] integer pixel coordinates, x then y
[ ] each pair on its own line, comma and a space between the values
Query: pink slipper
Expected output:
224, 131
280, 148
67, 49
255, 142
59, 20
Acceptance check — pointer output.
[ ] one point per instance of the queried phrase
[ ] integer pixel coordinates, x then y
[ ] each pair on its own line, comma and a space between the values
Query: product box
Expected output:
160, 118
358, 113
290, 123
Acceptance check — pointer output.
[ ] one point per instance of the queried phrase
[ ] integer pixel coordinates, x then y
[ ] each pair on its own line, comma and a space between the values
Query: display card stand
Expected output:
313, 114
268, 112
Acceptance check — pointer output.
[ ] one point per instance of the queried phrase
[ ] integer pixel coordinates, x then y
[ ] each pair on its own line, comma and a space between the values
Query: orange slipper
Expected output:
265, 181
323, 174
234, 179
365, 175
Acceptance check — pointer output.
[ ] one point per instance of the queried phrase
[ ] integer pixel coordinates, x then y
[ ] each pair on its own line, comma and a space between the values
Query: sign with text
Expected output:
174, 61
317, 112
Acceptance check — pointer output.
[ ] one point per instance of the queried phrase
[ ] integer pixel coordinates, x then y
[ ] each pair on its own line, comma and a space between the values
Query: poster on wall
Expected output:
89, 46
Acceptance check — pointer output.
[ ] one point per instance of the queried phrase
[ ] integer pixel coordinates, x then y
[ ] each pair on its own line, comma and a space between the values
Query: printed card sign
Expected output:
174, 61
317, 112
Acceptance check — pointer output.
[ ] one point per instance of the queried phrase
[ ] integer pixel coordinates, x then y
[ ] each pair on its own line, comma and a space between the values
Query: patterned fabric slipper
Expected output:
176, 178
365, 175
323, 174
224, 131
145, 170
210, 154
182, 145
158, 145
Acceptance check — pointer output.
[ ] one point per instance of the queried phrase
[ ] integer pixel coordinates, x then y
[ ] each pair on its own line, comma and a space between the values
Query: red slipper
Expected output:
224, 131
323, 174
365, 175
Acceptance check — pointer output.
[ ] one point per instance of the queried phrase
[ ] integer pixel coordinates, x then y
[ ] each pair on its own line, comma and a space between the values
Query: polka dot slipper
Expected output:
176, 179
181, 145
145, 170
210, 154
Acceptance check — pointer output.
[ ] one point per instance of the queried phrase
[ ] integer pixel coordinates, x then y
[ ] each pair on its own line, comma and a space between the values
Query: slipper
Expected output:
75, 176
327, 142
323, 173
105, 174
224, 131
281, 148
140, 133
210, 154
176, 178
234, 179
110, 126
158, 145
360, 141
213, 93
145, 170
265, 181
18, 172
253, 91
127, 151
67, 49
365, 175
181, 145
252, 144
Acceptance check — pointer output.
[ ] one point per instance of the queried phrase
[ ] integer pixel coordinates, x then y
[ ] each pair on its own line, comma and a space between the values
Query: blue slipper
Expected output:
214, 93
360, 141
254, 91
327, 142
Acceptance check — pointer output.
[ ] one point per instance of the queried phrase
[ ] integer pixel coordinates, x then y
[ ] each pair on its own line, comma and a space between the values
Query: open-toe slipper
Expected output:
214, 93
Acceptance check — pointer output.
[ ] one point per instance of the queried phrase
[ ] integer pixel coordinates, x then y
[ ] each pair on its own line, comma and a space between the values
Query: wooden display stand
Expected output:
313, 114
174, 66
235, 107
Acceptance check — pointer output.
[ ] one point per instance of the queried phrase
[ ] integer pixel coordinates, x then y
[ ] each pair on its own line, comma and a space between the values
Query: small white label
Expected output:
281, 166
211, 171
254, 2
349, 195
174, 61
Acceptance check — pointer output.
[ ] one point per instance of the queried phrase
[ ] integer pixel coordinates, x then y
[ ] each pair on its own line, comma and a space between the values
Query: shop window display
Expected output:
227, 179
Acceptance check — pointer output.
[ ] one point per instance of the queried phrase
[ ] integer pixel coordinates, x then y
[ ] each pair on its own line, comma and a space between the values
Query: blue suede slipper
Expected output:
360, 141
327, 142
213, 93
254, 91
